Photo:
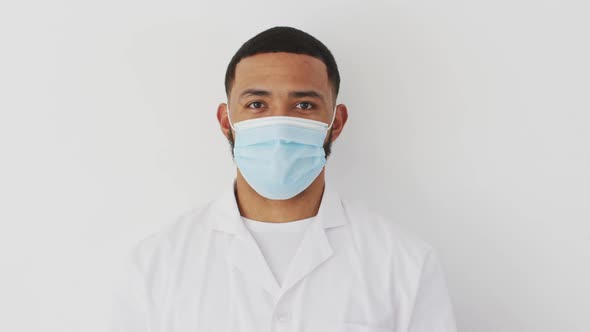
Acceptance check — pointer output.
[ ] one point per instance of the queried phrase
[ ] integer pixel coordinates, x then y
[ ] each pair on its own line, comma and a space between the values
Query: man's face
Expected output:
285, 84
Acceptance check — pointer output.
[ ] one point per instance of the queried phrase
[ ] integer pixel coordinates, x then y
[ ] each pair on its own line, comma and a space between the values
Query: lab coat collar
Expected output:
244, 253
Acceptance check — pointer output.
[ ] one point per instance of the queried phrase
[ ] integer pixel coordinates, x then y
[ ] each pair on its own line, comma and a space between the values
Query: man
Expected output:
281, 250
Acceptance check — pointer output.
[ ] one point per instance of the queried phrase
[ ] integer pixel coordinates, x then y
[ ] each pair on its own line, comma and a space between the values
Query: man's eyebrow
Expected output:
292, 94
307, 93
254, 92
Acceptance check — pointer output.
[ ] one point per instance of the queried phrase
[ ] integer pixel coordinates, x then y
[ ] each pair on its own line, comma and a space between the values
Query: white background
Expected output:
469, 124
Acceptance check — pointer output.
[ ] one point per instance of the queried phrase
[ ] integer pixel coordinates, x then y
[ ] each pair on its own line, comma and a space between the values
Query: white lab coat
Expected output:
355, 271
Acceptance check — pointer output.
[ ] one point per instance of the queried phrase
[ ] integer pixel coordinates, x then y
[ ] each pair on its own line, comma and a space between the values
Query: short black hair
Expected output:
284, 39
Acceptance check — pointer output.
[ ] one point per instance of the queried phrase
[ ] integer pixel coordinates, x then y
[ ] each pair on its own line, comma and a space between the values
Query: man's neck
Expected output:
304, 205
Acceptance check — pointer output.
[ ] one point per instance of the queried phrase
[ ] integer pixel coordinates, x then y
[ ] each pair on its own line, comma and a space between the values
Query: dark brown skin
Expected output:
280, 73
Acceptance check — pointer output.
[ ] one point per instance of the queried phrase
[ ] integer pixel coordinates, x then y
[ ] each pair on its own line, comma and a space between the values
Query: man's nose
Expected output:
281, 110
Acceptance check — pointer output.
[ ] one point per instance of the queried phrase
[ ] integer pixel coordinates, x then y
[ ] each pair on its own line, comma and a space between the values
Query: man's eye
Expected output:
255, 103
307, 105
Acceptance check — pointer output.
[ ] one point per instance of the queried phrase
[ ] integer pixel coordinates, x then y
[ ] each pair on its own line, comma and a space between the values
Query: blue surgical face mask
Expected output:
280, 156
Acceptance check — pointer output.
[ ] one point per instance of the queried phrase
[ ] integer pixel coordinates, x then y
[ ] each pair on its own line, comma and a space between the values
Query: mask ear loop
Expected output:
333, 117
229, 119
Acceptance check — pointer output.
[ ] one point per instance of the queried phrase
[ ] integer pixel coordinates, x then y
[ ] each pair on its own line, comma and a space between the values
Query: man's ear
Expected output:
223, 120
339, 121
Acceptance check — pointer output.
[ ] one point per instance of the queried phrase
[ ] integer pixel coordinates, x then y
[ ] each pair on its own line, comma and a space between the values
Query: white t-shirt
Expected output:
278, 242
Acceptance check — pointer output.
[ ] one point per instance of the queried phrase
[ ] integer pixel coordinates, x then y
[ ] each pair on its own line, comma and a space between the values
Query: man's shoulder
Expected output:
384, 231
167, 241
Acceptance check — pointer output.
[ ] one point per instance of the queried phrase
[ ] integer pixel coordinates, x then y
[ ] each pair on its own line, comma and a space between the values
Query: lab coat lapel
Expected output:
245, 255
243, 251
315, 247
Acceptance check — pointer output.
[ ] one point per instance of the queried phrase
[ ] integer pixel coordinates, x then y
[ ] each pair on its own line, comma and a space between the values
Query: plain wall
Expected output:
468, 124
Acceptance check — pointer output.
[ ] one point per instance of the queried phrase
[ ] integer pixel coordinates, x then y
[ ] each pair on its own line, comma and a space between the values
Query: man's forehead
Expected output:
295, 74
